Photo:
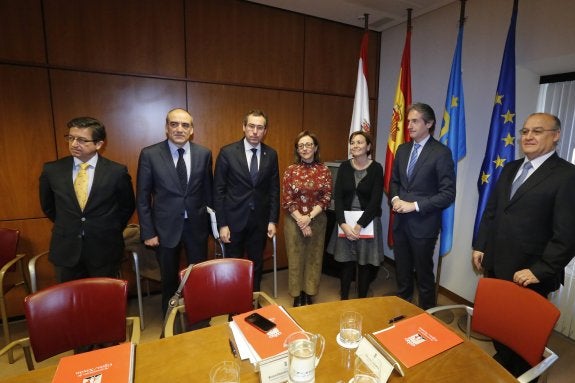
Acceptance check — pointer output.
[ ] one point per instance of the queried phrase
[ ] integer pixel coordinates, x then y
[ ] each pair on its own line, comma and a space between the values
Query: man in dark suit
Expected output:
246, 193
90, 200
422, 185
174, 188
526, 232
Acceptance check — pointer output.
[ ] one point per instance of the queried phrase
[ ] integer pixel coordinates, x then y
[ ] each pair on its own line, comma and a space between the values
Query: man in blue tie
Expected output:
246, 193
422, 185
526, 231
174, 188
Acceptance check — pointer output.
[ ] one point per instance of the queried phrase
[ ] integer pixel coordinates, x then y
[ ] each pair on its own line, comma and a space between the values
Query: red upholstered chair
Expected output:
73, 315
270, 251
8, 262
217, 287
516, 316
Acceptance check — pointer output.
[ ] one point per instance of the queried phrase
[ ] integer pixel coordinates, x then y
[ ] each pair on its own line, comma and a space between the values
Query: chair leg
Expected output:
5, 328
25, 280
138, 288
275, 268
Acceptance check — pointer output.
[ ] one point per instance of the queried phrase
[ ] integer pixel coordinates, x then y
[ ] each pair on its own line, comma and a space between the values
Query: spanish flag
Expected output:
398, 133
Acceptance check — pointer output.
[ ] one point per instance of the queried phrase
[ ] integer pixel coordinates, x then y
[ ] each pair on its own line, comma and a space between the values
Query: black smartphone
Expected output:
260, 322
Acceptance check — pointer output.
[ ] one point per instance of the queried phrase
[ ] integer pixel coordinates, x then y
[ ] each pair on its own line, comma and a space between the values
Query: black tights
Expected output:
365, 275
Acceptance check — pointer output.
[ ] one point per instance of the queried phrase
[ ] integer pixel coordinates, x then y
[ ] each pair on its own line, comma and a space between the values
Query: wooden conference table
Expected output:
189, 357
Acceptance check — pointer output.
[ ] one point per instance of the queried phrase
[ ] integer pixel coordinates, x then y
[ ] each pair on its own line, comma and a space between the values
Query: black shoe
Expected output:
307, 299
297, 301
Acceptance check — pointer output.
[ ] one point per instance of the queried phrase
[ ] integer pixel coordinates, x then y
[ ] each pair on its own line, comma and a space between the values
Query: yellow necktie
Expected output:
81, 185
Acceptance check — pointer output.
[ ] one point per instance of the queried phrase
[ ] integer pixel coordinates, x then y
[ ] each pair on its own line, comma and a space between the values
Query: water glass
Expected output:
350, 329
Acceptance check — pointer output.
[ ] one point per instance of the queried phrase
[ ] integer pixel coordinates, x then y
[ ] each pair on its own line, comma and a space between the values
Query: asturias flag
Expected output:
398, 133
501, 142
453, 136
360, 116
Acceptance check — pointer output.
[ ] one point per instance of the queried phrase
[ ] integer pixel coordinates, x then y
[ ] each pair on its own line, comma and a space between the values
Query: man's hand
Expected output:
271, 229
401, 206
225, 234
524, 277
152, 242
477, 259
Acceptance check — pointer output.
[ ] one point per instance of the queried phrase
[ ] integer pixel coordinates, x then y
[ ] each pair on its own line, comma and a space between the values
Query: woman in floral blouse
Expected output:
305, 196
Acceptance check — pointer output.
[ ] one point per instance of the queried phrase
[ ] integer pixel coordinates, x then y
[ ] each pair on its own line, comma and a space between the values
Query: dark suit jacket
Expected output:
108, 209
161, 201
233, 189
432, 186
533, 230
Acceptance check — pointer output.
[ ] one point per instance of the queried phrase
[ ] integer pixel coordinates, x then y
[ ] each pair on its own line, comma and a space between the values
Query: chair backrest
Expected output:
74, 314
8, 245
516, 316
218, 287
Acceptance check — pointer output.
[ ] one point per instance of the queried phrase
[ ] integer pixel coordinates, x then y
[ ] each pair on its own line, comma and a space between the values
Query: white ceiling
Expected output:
383, 14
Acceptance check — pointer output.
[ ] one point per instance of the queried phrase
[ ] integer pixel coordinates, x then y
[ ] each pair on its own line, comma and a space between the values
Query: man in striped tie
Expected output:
90, 200
422, 185
526, 232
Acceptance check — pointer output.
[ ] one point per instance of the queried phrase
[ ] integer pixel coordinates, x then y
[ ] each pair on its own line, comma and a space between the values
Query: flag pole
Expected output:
448, 316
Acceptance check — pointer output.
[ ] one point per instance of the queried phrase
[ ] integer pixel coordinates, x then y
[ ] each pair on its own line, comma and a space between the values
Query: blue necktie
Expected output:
254, 166
413, 159
181, 169
521, 178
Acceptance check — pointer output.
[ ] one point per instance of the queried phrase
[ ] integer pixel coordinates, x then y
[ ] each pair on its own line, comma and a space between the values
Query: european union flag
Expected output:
453, 135
501, 142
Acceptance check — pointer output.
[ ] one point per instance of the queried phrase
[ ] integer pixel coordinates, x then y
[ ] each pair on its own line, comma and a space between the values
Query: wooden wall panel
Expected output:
218, 111
332, 55
127, 63
22, 22
238, 42
330, 117
132, 36
132, 108
26, 139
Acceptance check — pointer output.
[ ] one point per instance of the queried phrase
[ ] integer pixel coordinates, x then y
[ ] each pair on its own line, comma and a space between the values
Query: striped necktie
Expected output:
413, 159
515, 185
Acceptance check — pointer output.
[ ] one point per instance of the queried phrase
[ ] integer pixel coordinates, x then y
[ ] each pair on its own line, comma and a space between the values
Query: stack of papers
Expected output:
256, 345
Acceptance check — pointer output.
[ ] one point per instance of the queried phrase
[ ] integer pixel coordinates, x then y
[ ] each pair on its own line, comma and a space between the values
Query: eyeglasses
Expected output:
80, 140
175, 124
259, 128
308, 145
535, 131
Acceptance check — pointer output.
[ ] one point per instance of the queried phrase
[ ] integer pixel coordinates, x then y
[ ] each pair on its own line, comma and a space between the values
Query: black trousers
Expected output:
414, 254
250, 242
169, 261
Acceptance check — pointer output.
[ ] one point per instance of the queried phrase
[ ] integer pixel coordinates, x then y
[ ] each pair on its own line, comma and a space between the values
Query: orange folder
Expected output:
418, 338
107, 365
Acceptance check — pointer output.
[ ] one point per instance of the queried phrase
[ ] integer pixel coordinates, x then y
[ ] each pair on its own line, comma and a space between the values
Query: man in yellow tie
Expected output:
90, 200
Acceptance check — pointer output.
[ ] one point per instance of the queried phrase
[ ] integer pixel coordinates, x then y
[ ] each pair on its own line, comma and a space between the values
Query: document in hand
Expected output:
107, 365
256, 345
416, 339
351, 218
